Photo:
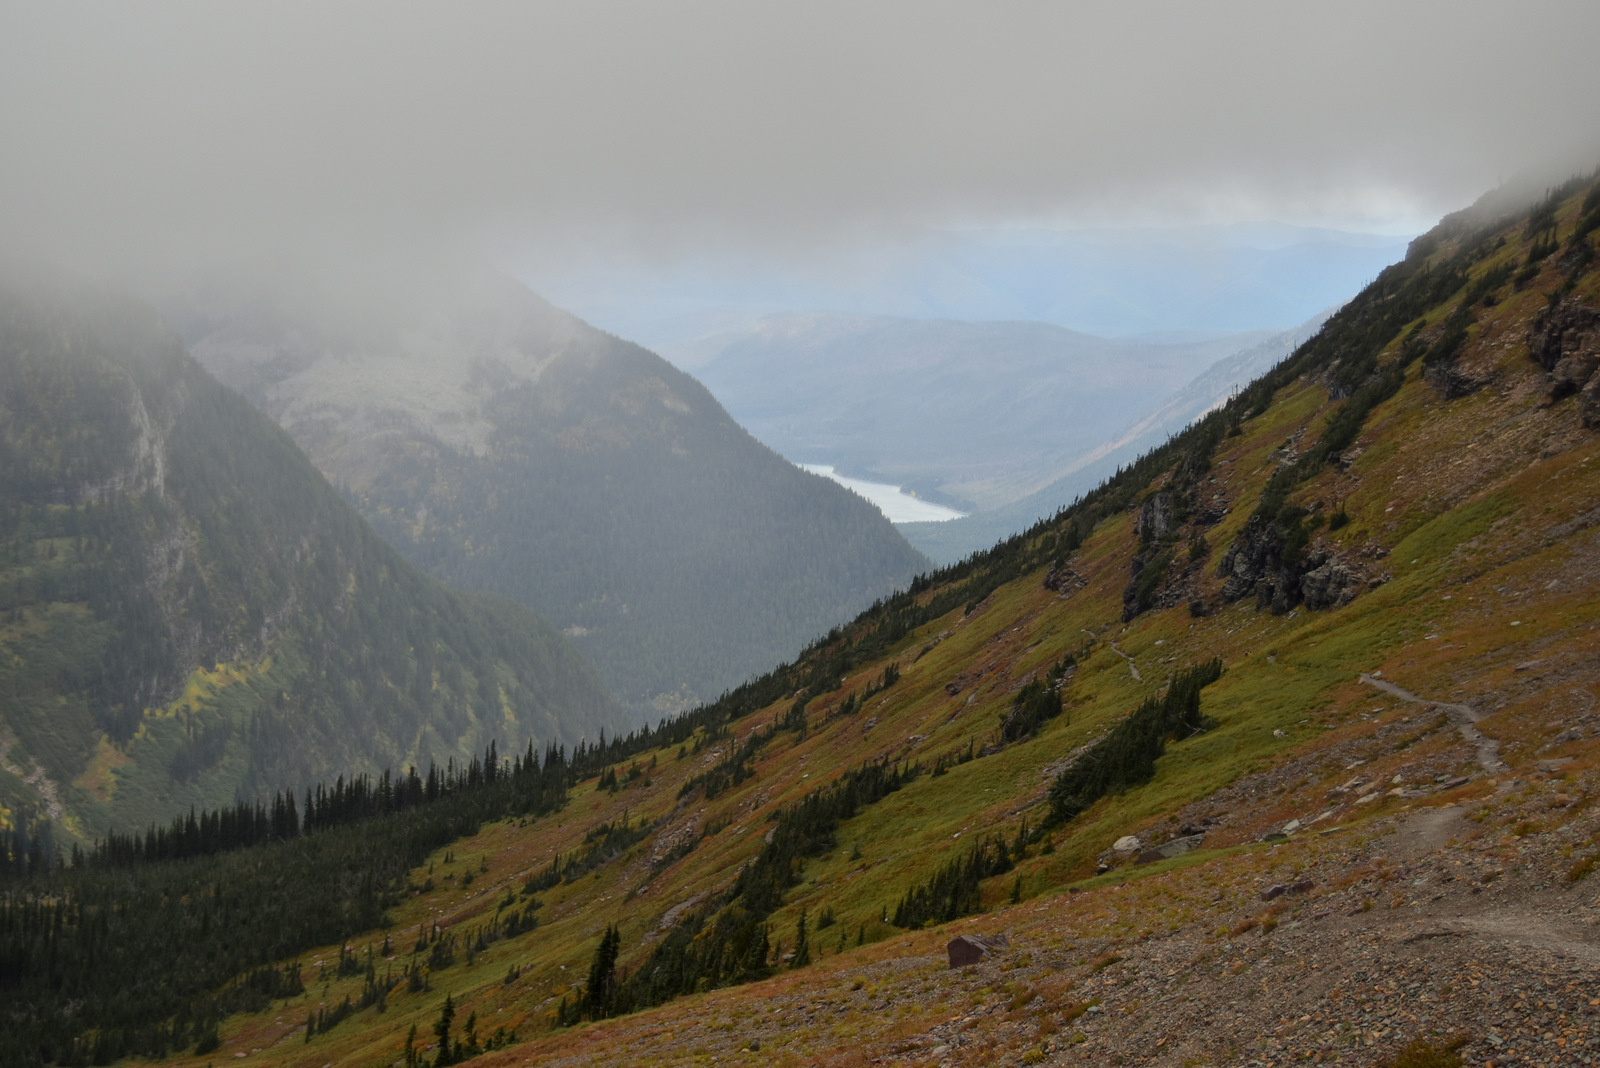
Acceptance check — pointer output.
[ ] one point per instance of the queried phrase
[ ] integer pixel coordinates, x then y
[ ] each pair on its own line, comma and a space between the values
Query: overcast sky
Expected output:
767, 127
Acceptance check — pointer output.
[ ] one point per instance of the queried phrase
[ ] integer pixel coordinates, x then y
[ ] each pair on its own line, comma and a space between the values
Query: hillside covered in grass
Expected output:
190, 614
1281, 746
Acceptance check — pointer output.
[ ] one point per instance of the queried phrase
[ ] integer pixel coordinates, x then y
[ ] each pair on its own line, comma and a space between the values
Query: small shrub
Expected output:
1583, 868
1422, 1053
1077, 1009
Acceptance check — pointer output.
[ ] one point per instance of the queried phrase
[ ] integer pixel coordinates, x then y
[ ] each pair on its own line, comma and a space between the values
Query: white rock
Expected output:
1128, 843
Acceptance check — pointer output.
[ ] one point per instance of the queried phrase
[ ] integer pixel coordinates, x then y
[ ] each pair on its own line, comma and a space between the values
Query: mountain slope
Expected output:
1282, 744
189, 612
504, 445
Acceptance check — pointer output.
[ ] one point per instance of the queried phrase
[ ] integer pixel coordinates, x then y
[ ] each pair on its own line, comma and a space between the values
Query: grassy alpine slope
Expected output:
189, 613
1391, 544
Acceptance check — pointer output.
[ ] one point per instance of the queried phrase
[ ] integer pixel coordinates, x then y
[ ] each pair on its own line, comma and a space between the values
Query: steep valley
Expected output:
1281, 746
502, 444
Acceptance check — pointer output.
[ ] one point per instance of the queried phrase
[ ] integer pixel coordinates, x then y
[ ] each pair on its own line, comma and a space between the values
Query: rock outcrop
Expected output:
1565, 340
1319, 578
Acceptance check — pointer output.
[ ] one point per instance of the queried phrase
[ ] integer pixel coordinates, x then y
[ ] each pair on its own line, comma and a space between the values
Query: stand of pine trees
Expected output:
142, 944
726, 942
954, 889
1126, 755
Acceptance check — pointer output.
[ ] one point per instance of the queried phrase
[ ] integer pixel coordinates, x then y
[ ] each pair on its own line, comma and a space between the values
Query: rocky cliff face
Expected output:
1565, 340
1323, 577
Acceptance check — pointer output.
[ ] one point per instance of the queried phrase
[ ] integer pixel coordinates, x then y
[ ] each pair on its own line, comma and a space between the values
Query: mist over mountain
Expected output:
1253, 716
502, 444
1110, 281
997, 371
190, 613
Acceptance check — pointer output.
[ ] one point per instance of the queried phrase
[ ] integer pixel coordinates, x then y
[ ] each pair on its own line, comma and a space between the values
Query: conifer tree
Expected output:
597, 995
442, 1029
802, 943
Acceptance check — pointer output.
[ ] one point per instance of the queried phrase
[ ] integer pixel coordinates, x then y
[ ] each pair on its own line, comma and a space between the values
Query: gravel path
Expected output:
1132, 667
1464, 715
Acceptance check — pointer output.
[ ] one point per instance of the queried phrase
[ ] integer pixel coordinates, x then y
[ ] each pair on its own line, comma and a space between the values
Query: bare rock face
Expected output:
1569, 328
1254, 564
1589, 404
1451, 381
970, 949
1156, 518
1063, 579
1565, 341
1572, 373
1320, 578
1330, 582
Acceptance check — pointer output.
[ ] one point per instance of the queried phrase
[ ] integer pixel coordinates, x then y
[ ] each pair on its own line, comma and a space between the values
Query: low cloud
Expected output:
149, 133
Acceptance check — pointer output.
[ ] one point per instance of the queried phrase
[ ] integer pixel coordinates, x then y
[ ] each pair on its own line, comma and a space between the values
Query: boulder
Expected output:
970, 949
1176, 847
1277, 890
1128, 843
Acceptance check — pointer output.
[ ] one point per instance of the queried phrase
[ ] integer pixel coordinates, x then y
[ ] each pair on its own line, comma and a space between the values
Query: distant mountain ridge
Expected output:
948, 542
190, 613
975, 414
502, 444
